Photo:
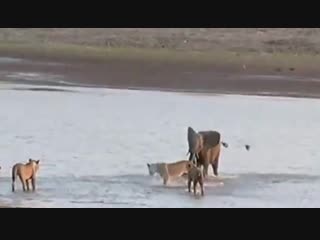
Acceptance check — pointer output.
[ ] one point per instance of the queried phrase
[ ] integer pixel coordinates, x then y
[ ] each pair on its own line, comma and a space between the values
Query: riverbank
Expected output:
183, 61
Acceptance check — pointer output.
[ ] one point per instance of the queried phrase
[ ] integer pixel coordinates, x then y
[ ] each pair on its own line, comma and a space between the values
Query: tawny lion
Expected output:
26, 172
169, 170
195, 176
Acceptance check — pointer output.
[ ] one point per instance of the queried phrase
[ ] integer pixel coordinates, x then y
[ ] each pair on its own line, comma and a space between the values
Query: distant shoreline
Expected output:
43, 87
164, 70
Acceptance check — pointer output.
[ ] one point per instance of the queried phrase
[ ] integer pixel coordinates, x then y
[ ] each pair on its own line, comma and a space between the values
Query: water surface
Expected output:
94, 145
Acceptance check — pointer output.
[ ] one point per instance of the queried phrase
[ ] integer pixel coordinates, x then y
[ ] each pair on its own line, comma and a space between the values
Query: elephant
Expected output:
204, 149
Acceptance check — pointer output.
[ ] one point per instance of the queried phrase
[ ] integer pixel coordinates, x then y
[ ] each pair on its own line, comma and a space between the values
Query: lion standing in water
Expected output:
195, 176
26, 172
169, 170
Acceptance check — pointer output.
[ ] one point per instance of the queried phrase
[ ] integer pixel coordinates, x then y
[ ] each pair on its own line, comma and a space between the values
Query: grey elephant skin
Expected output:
204, 149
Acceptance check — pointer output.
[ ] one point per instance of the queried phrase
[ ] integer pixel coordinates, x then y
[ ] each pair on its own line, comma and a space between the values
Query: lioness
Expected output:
195, 175
26, 172
169, 170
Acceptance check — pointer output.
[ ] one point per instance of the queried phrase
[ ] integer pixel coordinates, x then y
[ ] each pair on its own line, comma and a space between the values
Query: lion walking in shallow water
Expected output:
169, 170
195, 176
26, 173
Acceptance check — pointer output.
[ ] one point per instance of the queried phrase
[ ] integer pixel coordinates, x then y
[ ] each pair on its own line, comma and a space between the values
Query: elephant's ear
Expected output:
210, 138
192, 140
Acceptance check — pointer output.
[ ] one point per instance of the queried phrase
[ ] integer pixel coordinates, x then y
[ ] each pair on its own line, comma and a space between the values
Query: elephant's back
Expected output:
211, 138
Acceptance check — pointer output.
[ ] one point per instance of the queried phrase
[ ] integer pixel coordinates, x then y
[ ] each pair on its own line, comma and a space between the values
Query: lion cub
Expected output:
26, 172
169, 170
195, 175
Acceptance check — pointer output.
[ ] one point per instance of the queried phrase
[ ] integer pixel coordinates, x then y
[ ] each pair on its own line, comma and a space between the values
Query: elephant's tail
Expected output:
226, 145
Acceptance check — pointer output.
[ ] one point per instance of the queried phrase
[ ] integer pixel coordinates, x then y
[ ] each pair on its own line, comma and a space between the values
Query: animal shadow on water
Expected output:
26, 173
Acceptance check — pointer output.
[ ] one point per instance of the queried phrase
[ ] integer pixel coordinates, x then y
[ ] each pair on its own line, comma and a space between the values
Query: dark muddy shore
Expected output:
153, 75
276, 62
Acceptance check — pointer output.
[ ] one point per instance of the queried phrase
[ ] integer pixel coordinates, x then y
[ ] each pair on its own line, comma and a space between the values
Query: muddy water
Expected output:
94, 145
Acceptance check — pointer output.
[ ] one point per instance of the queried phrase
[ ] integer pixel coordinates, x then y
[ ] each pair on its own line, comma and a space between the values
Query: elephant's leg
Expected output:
205, 169
203, 162
215, 164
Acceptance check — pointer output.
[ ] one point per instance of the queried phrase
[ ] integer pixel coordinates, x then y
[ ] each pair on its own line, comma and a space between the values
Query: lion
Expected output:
26, 172
195, 175
169, 170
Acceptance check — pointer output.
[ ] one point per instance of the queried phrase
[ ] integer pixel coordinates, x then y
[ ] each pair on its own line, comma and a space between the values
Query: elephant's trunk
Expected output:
192, 157
189, 152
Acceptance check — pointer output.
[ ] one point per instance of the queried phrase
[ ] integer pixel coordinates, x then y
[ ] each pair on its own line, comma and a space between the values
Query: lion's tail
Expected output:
14, 176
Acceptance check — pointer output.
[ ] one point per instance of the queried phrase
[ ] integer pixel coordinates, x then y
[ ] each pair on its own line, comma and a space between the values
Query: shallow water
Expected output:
94, 145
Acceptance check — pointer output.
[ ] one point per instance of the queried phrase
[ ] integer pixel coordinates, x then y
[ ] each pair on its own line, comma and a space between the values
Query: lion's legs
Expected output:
13, 185
23, 182
165, 180
201, 186
195, 188
27, 184
33, 182
189, 185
